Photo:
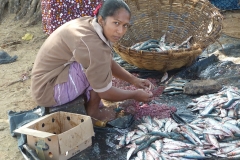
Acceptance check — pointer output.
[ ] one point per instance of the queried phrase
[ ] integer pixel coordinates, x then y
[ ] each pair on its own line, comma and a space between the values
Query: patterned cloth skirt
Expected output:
76, 85
57, 12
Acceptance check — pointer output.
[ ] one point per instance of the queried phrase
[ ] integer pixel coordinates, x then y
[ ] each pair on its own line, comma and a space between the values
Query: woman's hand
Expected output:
143, 96
143, 83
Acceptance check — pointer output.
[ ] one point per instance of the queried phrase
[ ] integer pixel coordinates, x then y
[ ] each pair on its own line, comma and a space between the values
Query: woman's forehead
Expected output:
122, 15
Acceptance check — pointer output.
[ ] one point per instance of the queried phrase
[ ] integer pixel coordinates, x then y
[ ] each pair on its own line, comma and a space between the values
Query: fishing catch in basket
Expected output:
161, 45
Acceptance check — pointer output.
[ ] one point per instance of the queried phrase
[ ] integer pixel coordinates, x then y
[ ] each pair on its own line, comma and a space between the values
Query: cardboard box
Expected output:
59, 136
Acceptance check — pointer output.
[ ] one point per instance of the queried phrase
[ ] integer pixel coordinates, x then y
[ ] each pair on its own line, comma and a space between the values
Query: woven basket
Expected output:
178, 19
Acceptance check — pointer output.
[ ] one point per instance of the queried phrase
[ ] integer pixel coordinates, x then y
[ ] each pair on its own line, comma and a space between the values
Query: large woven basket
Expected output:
178, 19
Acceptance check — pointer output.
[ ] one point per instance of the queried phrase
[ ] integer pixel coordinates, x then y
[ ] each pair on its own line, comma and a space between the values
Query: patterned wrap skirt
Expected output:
76, 85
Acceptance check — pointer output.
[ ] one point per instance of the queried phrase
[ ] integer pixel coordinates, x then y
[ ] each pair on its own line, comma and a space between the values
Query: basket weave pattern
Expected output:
178, 19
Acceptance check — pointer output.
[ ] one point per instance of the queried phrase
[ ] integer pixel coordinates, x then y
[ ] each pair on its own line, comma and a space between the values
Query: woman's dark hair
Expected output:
109, 8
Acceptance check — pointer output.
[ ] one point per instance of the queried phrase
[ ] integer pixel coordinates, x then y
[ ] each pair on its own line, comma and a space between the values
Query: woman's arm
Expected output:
121, 73
116, 94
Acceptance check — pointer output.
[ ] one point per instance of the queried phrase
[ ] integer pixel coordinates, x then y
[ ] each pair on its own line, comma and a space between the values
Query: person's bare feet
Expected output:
100, 113
103, 114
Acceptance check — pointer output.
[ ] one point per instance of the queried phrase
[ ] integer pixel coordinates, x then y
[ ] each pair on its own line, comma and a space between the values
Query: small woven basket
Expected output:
178, 19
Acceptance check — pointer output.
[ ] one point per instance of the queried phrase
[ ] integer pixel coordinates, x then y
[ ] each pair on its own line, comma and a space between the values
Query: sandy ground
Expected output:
17, 96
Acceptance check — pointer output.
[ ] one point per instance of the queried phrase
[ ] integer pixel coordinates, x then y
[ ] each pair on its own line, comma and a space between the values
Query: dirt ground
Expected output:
17, 96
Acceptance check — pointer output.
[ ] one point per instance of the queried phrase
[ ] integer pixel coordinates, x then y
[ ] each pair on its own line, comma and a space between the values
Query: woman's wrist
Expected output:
133, 80
134, 94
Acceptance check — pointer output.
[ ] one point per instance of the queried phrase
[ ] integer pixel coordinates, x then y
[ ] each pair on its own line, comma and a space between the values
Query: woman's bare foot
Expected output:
103, 114
94, 111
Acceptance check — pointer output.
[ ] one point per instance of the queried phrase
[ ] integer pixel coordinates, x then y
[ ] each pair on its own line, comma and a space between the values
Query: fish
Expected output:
149, 156
142, 155
215, 124
208, 108
160, 45
121, 142
154, 153
159, 145
145, 145
190, 154
148, 126
143, 128
141, 140
159, 133
232, 127
129, 136
236, 151
190, 132
228, 149
165, 77
213, 140
208, 136
130, 152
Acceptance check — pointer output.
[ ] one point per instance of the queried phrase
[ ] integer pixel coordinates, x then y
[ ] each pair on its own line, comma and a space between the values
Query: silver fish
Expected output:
167, 124
148, 126
230, 113
147, 119
223, 112
130, 152
228, 149
213, 140
190, 132
218, 125
214, 132
149, 156
122, 142
129, 136
143, 128
135, 137
236, 151
159, 122
159, 145
232, 127
140, 132
154, 153
234, 157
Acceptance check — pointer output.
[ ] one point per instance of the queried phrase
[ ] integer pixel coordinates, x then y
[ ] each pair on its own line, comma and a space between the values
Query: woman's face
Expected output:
114, 27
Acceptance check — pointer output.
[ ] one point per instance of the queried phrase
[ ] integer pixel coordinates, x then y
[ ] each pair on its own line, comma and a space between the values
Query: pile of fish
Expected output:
225, 103
209, 136
175, 87
160, 45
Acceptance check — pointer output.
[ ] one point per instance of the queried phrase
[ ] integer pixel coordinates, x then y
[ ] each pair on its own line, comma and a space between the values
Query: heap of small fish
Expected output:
160, 45
208, 136
225, 103
175, 87
166, 139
